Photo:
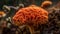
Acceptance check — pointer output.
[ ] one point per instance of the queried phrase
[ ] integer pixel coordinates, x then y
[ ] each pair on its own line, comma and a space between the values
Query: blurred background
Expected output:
8, 8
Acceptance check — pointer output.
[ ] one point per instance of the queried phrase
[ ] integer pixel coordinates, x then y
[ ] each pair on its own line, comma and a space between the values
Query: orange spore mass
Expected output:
30, 15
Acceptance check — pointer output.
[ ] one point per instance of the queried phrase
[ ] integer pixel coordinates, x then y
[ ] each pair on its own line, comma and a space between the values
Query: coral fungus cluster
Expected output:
31, 15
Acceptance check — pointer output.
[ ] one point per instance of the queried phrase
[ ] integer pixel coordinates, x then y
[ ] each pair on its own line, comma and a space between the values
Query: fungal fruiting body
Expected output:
31, 15
46, 4
2, 14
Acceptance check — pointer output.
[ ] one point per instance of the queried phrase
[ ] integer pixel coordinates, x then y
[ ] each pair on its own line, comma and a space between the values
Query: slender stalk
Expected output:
31, 29
16, 32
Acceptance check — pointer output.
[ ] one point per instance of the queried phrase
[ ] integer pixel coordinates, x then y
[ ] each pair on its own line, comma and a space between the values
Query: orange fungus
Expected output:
30, 15
46, 4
